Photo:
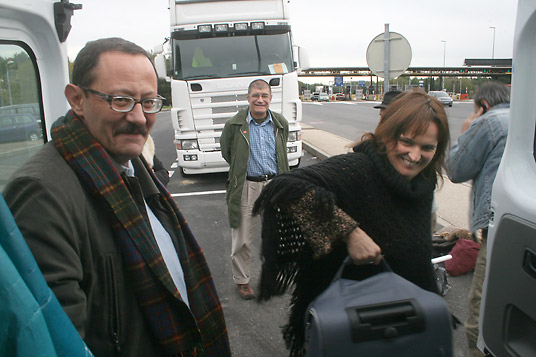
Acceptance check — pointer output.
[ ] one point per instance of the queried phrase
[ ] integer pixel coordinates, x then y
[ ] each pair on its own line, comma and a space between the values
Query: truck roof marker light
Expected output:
257, 25
221, 27
242, 26
204, 28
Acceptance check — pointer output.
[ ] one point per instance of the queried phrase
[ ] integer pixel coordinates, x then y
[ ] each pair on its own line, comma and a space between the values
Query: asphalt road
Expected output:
254, 328
351, 120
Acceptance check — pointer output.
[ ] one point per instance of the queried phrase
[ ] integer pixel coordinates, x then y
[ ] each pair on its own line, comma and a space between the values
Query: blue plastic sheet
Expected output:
32, 322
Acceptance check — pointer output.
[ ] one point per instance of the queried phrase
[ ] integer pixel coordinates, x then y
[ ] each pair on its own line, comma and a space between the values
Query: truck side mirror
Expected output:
160, 65
160, 61
303, 57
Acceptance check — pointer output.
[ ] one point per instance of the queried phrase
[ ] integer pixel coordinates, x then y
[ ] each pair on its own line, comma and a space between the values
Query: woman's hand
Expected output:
362, 249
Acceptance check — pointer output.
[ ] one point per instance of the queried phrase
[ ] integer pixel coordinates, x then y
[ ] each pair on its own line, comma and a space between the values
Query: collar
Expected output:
500, 106
268, 118
135, 168
128, 170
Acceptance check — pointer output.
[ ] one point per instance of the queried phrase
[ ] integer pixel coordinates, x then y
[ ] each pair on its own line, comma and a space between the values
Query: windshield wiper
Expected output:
250, 72
201, 76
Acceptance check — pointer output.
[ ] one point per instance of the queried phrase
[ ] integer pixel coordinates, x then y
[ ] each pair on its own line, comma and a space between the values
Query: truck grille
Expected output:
211, 111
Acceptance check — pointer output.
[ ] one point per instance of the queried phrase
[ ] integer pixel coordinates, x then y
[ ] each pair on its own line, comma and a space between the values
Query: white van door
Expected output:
508, 309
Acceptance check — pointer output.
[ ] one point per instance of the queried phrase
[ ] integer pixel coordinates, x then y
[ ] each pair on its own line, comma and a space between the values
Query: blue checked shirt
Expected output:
262, 157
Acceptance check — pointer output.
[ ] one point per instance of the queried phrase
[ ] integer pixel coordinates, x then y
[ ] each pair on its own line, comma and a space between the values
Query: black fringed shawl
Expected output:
393, 211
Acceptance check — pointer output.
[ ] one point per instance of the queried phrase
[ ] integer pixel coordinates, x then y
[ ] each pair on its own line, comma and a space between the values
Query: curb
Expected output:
313, 150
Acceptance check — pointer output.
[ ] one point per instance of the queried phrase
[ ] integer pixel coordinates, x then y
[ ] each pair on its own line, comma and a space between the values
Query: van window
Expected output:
21, 127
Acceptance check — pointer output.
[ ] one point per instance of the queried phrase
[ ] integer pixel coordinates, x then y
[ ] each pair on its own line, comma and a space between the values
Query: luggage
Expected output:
381, 315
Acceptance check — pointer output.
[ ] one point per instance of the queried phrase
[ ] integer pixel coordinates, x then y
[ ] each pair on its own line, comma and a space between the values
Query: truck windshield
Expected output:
235, 56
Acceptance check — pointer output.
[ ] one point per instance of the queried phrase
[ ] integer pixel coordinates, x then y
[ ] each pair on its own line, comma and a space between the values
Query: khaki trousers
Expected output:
475, 295
242, 236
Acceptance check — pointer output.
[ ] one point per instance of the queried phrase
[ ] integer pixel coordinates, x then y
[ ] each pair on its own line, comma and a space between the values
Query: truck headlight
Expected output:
294, 136
190, 144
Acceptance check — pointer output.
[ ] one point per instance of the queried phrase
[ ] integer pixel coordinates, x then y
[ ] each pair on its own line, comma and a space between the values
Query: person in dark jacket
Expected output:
388, 97
109, 239
372, 202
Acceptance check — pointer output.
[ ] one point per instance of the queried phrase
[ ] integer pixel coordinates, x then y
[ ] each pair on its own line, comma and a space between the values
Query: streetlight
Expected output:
444, 51
444, 56
493, 48
9, 61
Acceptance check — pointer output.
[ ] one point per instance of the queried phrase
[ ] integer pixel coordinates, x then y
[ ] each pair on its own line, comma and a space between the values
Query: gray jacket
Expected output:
476, 156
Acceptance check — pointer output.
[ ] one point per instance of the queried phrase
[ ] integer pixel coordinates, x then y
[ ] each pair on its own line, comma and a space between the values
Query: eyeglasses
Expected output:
124, 104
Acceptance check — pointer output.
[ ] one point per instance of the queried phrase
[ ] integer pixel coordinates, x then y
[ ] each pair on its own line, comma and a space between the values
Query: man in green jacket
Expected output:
254, 143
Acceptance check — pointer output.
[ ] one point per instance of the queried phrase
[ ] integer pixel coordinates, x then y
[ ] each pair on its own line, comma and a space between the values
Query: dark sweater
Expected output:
394, 212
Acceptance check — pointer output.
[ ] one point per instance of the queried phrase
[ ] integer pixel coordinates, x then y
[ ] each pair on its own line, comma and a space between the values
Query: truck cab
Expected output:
217, 49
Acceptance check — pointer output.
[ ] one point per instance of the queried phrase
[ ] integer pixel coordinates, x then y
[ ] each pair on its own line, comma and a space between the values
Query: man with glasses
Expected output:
108, 237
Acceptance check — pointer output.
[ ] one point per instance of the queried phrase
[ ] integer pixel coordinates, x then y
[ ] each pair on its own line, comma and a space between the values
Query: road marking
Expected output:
174, 165
201, 193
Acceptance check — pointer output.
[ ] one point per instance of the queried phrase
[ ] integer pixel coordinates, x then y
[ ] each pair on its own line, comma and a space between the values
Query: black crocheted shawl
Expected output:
395, 212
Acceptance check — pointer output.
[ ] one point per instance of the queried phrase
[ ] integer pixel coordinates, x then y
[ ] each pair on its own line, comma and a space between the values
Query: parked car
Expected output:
340, 96
442, 96
19, 127
315, 96
323, 97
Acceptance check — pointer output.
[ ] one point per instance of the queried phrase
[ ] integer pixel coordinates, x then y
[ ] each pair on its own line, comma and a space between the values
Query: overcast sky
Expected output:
336, 33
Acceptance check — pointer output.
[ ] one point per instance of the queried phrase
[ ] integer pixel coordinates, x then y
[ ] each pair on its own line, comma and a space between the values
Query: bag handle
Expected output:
382, 267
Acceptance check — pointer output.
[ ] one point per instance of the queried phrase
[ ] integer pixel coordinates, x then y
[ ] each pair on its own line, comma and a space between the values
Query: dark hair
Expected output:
88, 58
492, 92
259, 83
412, 113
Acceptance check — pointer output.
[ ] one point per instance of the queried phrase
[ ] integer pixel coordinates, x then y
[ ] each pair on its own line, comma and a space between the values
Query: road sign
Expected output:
338, 82
399, 55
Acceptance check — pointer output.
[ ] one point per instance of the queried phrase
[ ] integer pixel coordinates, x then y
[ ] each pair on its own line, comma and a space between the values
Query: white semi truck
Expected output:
217, 48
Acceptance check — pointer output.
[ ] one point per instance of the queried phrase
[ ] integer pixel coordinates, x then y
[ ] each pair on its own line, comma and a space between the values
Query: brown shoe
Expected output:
245, 291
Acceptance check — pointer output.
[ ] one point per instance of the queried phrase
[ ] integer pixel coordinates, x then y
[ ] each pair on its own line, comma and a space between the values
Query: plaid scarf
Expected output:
197, 331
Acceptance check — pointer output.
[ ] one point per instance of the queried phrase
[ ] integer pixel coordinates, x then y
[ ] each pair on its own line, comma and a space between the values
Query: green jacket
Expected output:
235, 150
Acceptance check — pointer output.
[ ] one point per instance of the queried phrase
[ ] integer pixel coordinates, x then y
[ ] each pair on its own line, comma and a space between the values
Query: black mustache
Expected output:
131, 129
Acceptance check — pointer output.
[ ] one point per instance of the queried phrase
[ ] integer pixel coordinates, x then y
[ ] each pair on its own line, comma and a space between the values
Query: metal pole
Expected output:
386, 59
8, 83
493, 48
444, 57
444, 51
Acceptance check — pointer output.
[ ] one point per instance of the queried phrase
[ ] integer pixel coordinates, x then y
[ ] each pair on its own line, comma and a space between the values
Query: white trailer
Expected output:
217, 49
